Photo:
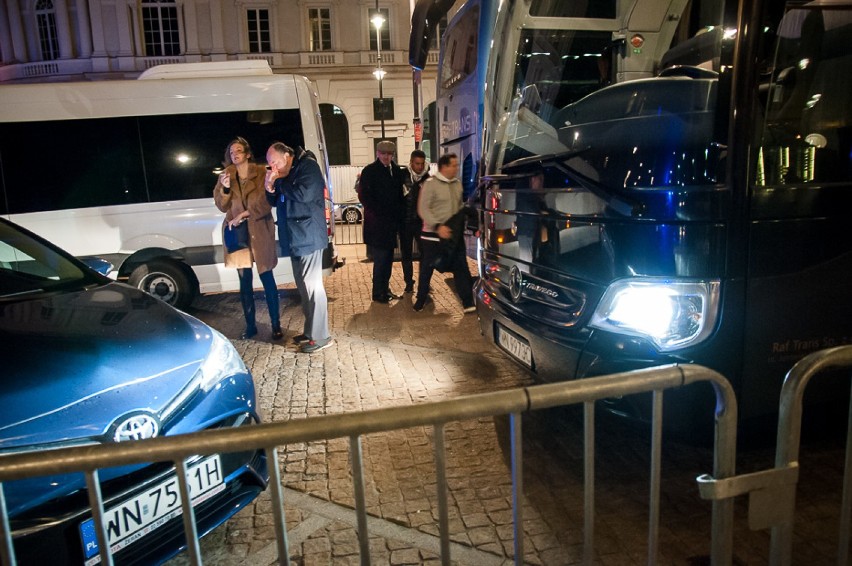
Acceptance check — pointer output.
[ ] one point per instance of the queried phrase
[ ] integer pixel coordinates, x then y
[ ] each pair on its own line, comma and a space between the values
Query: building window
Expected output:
258, 31
46, 22
320, 26
160, 28
385, 29
383, 108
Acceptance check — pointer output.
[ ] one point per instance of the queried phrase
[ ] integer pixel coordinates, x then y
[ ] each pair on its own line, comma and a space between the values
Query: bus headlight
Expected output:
672, 314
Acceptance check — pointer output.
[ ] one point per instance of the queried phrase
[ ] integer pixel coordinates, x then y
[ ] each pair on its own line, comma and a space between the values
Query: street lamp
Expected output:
378, 20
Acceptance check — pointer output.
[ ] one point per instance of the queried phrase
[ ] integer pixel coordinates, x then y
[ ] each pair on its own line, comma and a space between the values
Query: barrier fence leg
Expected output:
443, 507
846, 509
654, 496
96, 502
589, 482
277, 495
7, 551
190, 529
724, 466
360, 498
517, 484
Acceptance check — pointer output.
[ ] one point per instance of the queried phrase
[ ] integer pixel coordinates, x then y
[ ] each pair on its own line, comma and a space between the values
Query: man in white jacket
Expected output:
440, 201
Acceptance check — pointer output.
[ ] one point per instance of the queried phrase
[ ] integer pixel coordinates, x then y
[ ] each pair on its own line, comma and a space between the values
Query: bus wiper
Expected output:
617, 199
21, 293
537, 161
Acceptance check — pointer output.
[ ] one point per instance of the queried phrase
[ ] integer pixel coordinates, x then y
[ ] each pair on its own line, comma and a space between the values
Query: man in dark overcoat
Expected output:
380, 191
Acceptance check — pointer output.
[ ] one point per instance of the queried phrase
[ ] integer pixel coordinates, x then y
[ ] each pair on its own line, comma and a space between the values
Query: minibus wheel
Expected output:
170, 281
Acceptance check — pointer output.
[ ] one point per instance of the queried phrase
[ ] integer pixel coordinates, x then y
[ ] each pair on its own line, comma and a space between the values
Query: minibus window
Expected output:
57, 165
184, 153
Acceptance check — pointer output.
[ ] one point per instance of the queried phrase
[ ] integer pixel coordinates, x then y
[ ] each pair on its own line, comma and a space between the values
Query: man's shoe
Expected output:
277, 334
382, 300
393, 296
316, 345
249, 332
420, 304
409, 287
300, 339
471, 308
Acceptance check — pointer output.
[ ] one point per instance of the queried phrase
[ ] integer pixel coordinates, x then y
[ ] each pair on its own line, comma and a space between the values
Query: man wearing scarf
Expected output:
409, 235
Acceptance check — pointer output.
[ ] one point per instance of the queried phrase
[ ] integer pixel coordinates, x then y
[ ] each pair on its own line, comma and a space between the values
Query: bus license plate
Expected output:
131, 520
516, 346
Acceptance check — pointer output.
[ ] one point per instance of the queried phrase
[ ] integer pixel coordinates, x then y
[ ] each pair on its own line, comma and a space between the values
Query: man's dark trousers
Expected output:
429, 251
409, 236
382, 266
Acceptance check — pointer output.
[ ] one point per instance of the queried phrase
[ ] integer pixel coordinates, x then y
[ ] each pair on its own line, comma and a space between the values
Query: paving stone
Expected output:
316, 545
405, 556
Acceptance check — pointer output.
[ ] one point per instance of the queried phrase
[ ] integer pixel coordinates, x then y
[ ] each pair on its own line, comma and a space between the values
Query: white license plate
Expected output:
516, 346
131, 520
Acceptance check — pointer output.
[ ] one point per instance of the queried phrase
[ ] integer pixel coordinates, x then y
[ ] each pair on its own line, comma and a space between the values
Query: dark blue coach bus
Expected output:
658, 182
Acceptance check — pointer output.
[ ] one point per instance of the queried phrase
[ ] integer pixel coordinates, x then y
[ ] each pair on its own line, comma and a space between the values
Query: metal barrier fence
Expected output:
269, 436
343, 179
772, 493
348, 234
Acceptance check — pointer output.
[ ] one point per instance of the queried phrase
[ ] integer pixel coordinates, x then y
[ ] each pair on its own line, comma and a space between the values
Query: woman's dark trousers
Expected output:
247, 299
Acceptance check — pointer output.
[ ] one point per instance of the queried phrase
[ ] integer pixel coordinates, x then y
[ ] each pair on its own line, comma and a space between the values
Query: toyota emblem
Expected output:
138, 426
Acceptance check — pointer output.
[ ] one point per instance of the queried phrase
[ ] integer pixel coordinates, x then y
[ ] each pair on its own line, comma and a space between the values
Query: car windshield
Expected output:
30, 267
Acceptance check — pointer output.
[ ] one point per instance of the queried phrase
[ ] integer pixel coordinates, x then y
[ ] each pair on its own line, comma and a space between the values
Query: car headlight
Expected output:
222, 360
672, 314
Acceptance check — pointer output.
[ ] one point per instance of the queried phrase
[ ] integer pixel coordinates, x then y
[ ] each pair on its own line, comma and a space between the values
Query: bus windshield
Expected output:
656, 182
564, 100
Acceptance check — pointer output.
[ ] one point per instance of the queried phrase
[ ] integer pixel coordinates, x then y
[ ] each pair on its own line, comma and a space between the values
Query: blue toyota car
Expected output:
87, 360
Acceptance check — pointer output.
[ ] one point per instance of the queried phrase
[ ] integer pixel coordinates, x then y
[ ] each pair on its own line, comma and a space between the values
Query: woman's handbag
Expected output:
236, 238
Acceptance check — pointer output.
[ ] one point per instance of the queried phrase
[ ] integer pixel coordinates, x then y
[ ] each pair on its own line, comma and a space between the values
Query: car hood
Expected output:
74, 363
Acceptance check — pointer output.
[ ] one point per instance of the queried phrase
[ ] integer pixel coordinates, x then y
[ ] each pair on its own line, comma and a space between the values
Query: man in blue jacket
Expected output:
295, 186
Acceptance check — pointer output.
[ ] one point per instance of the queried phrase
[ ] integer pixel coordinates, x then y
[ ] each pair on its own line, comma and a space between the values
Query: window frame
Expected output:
387, 43
250, 32
160, 6
48, 38
309, 27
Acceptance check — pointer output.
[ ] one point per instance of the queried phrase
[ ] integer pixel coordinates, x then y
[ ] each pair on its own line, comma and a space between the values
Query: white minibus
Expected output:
124, 170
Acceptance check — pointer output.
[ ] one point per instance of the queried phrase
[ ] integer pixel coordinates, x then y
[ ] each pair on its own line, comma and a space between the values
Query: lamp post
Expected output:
378, 20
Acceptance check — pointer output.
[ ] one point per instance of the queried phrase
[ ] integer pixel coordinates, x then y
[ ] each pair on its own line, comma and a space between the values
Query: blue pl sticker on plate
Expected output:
90, 539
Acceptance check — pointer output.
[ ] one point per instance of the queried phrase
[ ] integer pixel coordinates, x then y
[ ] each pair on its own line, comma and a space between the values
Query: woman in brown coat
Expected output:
239, 193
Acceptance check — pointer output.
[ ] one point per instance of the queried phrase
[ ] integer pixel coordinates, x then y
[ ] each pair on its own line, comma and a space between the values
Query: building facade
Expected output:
333, 42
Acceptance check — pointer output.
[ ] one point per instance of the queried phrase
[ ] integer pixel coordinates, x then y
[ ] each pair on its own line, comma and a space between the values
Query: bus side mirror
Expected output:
424, 21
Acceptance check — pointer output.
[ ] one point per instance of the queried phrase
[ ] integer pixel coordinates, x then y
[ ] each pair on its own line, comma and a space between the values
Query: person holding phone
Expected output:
240, 194
296, 187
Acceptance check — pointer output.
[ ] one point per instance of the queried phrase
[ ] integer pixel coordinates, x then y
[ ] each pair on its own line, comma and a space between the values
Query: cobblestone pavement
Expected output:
387, 355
